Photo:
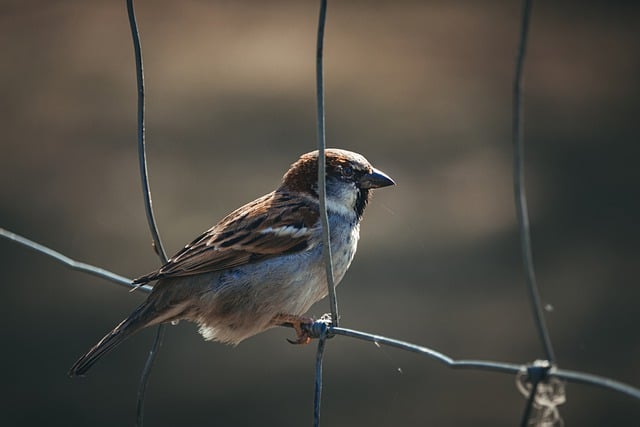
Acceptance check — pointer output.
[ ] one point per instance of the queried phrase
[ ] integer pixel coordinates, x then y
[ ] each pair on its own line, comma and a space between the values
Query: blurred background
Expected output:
421, 88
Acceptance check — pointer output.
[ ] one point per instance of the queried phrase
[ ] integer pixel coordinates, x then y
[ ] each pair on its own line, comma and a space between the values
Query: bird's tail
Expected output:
140, 318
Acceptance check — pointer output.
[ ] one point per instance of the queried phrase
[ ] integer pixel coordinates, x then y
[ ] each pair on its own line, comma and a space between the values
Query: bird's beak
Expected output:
375, 179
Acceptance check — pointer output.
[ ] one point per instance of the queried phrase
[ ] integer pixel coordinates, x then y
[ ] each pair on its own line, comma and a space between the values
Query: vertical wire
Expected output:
146, 373
317, 395
144, 176
322, 181
521, 203
322, 187
524, 422
519, 187
142, 154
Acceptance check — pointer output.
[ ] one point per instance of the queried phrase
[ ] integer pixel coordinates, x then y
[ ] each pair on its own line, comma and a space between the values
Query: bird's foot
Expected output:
320, 327
305, 327
298, 323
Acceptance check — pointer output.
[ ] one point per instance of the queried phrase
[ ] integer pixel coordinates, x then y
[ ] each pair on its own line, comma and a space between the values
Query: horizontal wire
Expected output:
595, 380
472, 364
487, 365
73, 264
433, 354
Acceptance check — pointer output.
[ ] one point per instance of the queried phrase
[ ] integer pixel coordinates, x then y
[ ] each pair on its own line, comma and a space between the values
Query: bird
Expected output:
262, 265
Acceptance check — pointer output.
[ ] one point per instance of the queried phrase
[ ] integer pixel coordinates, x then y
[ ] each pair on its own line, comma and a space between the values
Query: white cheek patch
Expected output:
338, 207
288, 230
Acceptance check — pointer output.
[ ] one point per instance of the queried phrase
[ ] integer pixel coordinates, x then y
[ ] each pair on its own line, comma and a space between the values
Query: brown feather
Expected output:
251, 233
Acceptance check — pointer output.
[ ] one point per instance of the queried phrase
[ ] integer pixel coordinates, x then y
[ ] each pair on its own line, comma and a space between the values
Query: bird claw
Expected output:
299, 323
302, 331
305, 327
312, 329
301, 339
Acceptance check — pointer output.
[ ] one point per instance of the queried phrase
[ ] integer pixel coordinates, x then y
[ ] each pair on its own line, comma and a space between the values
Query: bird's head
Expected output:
350, 177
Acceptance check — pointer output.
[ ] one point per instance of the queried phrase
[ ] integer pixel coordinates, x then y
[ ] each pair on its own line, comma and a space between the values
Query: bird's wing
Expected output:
272, 225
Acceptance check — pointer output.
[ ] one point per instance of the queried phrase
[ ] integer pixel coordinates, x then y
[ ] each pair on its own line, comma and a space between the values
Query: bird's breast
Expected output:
344, 243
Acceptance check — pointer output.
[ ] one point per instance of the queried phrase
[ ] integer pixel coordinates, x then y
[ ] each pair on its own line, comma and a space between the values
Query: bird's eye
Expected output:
347, 172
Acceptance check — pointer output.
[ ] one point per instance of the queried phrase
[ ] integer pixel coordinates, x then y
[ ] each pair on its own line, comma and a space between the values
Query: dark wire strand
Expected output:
73, 264
524, 422
510, 368
595, 380
322, 181
142, 152
146, 191
317, 395
324, 218
519, 184
480, 365
521, 202
487, 365
146, 373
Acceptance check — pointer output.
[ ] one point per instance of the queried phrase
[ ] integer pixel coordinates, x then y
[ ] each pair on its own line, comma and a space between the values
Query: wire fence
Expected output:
540, 381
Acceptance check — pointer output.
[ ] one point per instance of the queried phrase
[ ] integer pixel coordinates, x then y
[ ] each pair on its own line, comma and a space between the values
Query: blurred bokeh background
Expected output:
423, 89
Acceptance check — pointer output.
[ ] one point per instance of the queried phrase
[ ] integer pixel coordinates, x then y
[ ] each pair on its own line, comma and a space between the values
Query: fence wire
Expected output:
522, 213
148, 205
541, 381
315, 330
324, 216
519, 190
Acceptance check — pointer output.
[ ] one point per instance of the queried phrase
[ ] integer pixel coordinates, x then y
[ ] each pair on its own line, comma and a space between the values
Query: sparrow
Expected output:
261, 266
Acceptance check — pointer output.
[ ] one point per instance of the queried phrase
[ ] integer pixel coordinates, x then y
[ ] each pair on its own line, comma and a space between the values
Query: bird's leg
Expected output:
302, 336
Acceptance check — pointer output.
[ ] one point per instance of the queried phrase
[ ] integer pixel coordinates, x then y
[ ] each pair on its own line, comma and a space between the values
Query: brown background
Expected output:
423, 90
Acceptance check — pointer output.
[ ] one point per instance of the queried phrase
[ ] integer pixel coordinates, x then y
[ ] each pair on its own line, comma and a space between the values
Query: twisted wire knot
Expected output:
549, 393
320, 328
